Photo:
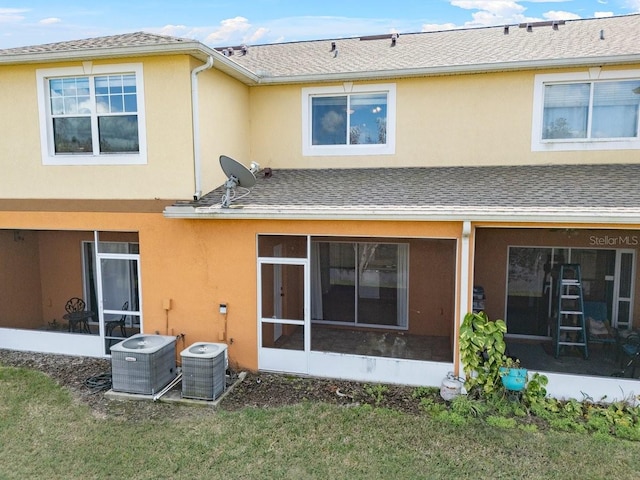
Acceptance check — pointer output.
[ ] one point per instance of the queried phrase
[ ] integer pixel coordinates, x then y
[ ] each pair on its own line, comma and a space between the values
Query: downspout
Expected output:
465, 294
195, 111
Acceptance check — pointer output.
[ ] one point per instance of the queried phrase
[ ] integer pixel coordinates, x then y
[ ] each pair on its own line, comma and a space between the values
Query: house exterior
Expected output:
393, 175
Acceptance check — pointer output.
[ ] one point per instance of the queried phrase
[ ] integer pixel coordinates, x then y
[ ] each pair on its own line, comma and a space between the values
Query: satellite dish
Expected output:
237, 176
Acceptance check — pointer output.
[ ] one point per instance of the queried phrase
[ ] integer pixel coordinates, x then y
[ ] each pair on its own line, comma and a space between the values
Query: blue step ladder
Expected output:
571, 329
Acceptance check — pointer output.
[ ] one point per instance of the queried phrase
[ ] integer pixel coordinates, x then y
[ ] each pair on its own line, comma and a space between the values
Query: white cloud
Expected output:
12, 15
634, 5
493, 12
229, 29
435, 27
602, 14
257, 35
560, 15
49, 21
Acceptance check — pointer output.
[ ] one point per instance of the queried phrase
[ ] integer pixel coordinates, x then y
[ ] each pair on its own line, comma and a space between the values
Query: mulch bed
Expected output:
88, 379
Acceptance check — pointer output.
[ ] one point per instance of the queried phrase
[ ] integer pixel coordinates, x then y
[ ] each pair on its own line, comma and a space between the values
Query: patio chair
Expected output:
111, 325
76, 315
630, 353
598, 328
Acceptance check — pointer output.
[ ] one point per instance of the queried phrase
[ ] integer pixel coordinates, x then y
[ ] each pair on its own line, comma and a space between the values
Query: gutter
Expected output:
195, 112
439, 214
579, 62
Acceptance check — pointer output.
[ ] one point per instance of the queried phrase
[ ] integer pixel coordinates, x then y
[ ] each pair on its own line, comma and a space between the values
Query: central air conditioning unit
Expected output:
204, 367
143, 364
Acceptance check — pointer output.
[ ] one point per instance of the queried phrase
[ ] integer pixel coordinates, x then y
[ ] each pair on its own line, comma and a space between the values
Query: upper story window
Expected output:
593, 110
92, 115
349, 120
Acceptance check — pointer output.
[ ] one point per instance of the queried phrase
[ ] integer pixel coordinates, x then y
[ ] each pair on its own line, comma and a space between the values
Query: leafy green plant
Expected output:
467, 407
482, 351
376, 392
535, 391
420, 392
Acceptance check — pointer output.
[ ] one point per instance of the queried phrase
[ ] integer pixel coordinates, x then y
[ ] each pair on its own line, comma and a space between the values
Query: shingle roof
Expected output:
609, 192
136, 39
575, 39
595, 41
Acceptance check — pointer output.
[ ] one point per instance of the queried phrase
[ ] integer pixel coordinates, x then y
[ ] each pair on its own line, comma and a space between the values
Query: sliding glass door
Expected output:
361, 283
607, 278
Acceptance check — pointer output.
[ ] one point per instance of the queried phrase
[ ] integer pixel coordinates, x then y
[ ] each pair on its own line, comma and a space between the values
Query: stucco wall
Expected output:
168, 173
480, 119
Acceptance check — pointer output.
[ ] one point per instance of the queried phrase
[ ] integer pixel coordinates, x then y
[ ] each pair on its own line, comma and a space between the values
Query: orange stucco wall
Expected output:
193, 266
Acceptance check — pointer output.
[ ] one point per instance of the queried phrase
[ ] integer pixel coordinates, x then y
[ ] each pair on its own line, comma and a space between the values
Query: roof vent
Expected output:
506, 29
244, 49
229, 51
394, 39
333, 46
552, 23
601, 34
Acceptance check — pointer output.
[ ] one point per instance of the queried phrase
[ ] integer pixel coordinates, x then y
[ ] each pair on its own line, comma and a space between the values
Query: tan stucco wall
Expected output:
168, 173
225, 127
480, 119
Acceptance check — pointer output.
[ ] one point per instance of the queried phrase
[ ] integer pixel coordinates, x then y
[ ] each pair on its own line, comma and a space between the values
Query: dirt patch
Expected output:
88, 379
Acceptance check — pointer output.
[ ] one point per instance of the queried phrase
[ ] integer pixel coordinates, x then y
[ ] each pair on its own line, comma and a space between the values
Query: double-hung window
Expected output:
92, 115
348, 120
587, 111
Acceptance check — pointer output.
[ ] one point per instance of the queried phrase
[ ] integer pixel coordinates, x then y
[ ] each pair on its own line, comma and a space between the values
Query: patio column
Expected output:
465, 288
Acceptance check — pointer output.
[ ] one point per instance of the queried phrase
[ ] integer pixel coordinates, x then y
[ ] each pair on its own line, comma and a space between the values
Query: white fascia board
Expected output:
195, 49
442, 215
454, 69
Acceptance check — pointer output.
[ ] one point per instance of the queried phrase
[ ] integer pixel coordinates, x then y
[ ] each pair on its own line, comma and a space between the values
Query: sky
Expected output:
220, 23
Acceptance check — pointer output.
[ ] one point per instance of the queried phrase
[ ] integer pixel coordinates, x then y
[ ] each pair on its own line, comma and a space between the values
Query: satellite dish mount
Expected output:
237, 176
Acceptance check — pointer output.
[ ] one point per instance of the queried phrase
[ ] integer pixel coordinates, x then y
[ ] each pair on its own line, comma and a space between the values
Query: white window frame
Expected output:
310, 150
580, 144
49, 157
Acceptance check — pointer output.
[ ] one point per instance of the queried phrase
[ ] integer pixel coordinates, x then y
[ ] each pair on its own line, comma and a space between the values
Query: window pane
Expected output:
102, 85
118, 134
329, 120
333, 282
285, 246
102, 104
115, 84
566, 109
69, 96
615, 109
110, 93
72, 135
116, 104
368, 121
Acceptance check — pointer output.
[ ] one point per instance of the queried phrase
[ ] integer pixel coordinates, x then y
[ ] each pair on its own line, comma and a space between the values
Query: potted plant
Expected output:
514, 377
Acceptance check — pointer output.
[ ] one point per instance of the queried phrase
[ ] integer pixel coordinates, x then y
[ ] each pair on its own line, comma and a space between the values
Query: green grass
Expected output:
43, 434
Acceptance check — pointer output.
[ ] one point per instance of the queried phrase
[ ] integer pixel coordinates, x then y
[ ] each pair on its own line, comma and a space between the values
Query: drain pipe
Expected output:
196, 125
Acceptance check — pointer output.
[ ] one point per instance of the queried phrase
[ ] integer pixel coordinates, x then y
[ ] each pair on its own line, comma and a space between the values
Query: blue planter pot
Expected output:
513, 379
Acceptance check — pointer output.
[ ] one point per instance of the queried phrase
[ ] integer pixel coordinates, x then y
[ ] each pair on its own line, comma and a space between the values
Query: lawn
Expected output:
45, 434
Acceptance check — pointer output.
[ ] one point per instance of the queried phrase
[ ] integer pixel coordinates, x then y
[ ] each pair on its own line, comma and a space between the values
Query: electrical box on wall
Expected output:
223, 308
